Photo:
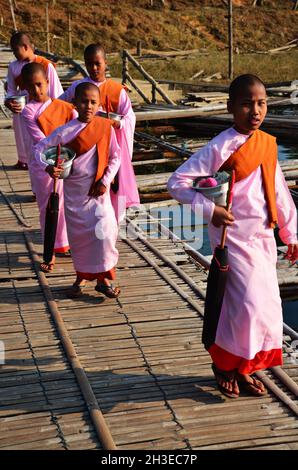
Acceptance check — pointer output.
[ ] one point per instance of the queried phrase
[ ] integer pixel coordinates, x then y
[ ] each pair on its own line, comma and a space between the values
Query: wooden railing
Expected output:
126, 77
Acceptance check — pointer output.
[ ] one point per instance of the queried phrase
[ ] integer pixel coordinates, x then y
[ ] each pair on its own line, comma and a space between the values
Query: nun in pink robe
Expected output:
91, 224
249, 333
127, 194
54, 90
42, 183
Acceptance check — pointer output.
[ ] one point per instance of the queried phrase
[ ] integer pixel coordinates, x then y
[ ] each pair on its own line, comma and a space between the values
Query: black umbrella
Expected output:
51, 218
216, 283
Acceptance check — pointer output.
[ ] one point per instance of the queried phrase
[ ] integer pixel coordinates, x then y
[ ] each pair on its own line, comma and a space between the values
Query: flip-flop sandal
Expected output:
20, 166
65, 254
252, 387
221, 374
108, 291
75, 291
47, 267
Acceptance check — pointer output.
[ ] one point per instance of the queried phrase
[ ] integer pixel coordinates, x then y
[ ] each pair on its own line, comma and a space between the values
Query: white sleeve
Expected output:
205, 162
11, 85
114, 160
68, 95
286, 210
54, 88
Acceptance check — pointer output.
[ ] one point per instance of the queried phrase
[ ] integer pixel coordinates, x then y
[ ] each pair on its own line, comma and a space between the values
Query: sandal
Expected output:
20, 166
225, 375
64, 254
46, 267
255, 388
75, 291
108, 291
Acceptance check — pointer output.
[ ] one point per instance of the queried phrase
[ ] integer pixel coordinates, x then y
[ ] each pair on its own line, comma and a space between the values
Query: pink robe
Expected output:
127, 194
250, 325
91, 224
42, 183
54, 90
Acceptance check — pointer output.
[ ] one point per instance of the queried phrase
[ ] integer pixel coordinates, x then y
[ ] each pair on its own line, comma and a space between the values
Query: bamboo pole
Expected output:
97, 417
139, 48
230, 27
153, 92
13, 209
69, 34
148, 77
47, 27
13, 16
135, 86
124, 67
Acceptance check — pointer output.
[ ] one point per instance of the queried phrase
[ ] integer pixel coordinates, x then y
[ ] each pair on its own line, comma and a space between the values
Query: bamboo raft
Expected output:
146, 369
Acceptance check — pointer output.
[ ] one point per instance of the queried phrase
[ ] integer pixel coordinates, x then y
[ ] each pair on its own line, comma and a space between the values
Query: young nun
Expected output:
24, 53
41, 116
249, 332
91, 224
113, 98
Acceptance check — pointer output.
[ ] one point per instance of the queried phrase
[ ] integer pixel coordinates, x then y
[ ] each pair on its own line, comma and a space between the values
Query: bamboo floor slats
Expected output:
142, 354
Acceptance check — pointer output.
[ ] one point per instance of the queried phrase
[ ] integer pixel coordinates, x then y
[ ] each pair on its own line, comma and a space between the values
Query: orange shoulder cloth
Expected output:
55, 115
39, 60
97, 132
110, 93
259, 150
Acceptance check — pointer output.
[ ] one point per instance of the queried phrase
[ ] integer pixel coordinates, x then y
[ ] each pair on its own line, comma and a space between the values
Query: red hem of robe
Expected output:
111, 275
63, 249
227, 361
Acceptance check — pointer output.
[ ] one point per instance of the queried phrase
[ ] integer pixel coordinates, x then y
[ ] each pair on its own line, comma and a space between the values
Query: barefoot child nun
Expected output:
41, 116
91, 224
24, 53
113, 98
249, 332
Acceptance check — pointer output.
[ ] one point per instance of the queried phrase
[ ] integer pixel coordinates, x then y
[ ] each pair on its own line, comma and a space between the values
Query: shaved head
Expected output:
92, 49
19, 39
241, 84
30, 69
83, 87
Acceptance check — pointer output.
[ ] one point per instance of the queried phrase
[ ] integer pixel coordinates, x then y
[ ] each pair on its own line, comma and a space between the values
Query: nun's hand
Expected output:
54, 171
14, 106
116, 124
222, 217
97, 189
292, 253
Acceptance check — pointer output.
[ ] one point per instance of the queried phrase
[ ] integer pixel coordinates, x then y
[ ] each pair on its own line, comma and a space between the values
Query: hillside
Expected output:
180, 24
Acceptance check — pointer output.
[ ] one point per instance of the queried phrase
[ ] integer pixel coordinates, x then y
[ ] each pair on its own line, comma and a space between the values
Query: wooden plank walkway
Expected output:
142, 354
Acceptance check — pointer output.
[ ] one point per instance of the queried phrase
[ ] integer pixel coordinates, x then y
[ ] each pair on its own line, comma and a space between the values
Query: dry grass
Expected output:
269, 67
183, 24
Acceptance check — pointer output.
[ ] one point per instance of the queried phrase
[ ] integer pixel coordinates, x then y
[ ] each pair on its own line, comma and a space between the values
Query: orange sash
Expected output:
97, 132
39, 60
55, 115
259, 149
110, 92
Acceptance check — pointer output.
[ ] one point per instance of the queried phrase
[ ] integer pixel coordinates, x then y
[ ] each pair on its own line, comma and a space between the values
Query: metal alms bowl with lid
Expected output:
112, 116
20, 99
218, 193
67, 157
